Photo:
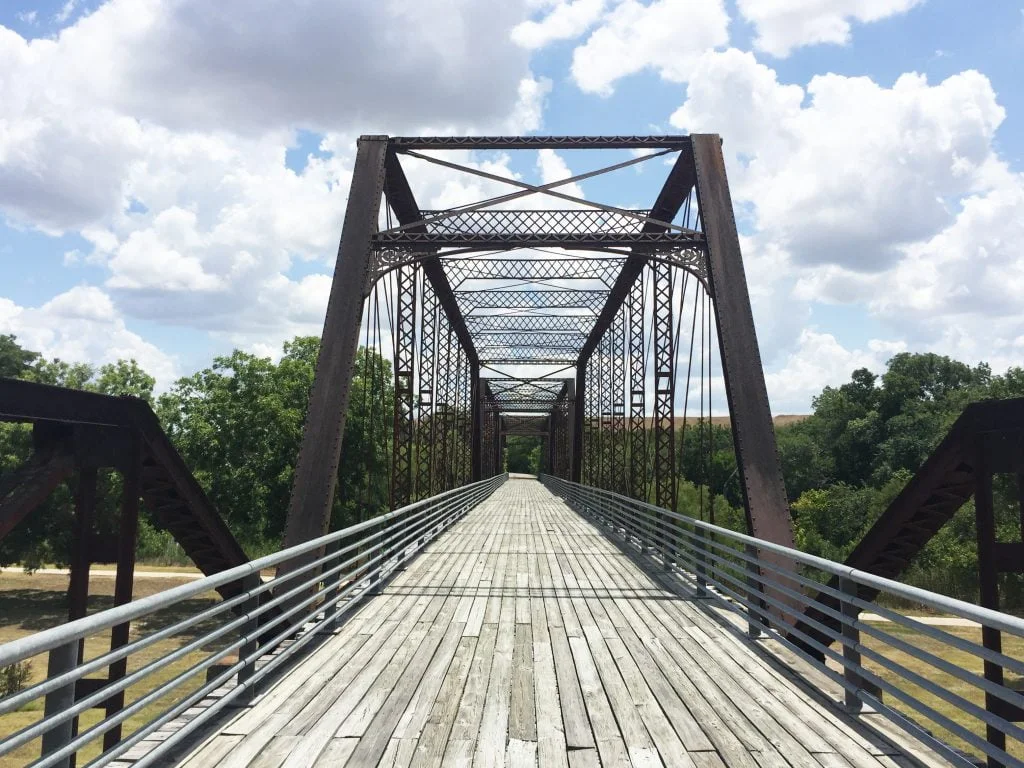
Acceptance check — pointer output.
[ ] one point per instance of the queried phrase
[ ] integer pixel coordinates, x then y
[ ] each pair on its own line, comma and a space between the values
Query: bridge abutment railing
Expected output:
924, 676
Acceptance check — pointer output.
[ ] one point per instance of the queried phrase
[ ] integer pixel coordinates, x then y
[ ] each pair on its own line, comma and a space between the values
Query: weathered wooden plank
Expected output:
578, 734
524, 636
213, 752
434, 733
336, 753
494, 721
610, 745
463, 733
521, 754
522, 723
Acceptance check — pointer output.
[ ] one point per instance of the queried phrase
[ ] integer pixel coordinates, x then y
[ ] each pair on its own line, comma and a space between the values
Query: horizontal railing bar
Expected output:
84, 669
33, 645
400, 535
1003, 692
922, 708
701, 555
259, 674
985, 616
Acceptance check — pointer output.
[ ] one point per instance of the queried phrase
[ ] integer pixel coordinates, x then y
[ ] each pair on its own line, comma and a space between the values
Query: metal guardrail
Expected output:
270, 620
775, 600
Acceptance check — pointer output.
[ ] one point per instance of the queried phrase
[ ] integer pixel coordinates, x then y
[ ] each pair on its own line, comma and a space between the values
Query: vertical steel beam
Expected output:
988, 586
443, 406
404, 343
476, 424
426, 424
618, 402
131, 492
316, 469
757, 456
637, 394
579, 416
664, 386
570, 427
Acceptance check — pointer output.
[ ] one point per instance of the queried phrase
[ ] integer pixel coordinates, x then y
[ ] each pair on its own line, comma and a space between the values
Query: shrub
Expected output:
14, 678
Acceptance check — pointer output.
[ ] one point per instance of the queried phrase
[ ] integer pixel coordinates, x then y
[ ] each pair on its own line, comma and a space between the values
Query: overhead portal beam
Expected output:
402, 143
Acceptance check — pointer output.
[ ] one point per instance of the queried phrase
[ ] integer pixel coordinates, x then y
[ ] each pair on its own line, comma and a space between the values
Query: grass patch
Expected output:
1012, 646
33, 602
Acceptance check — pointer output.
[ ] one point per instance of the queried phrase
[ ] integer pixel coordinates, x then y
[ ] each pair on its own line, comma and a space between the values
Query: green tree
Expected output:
239, 424
522, 454
14, 359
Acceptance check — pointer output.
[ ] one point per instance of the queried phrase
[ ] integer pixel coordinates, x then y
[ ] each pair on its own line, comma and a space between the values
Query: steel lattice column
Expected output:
456, 440
445, 342
405, 377
426, 423
589, 435
637, 393
664, 387
618, 403
608, 470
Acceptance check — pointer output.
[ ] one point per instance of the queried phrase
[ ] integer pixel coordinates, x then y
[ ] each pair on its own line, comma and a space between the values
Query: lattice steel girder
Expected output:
540, 359
509, 424
569, 268
488, 241
481, 324
443, 403
618, 403
637, 393
539, 142
546, 340
506, 221
518, 388
471, 301
426, 428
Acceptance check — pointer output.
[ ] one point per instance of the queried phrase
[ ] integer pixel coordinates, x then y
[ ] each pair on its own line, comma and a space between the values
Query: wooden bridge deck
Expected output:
524, 636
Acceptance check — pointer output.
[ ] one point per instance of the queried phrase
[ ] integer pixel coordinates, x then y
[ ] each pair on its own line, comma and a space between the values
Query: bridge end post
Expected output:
309, 512
757, 457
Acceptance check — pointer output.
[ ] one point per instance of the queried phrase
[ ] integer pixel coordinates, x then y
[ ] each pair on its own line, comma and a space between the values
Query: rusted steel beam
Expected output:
757, 456
401, 143
316, 470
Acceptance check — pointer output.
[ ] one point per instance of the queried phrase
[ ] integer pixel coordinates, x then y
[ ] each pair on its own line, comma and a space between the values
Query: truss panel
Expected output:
569, 268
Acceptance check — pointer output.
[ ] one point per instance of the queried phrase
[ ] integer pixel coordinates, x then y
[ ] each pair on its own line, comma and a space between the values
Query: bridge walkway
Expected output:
524, 636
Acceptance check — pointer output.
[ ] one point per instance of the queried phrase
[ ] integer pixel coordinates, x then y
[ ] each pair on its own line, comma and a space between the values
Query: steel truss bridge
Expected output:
595, 616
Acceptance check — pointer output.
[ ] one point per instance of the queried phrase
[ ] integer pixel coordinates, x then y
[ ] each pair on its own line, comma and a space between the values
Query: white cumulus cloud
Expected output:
783, 25
667, 36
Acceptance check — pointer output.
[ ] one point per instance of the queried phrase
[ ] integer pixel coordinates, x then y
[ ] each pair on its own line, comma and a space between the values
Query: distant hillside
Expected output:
782, 420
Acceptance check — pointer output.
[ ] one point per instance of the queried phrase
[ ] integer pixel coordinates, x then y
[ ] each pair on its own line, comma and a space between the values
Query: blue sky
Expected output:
173, 172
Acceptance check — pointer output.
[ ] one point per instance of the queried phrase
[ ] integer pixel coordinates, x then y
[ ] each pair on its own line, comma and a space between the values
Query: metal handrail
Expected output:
329, 576
776, 600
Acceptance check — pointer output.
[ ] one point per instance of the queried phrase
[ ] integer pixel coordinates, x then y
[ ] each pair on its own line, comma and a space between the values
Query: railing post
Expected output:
61, 659
754, 621
331, 586
701, 553
851, 641
247, 653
